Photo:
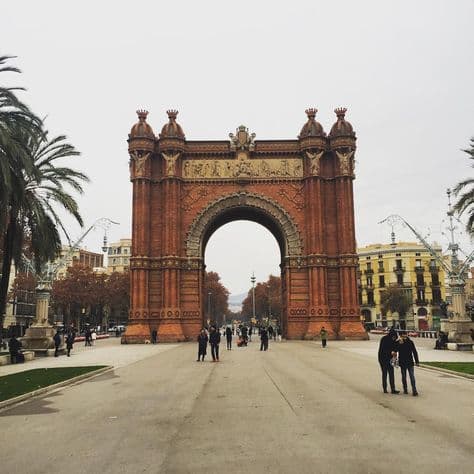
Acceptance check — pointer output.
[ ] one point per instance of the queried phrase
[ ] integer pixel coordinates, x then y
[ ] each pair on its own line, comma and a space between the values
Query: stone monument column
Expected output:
39, 336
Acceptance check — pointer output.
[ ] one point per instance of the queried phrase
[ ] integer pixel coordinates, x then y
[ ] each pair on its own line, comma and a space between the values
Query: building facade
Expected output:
82, 257
407, 265
118, 256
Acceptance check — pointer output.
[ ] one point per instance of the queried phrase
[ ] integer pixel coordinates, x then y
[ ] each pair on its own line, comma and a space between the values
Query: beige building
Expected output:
77, 256
118, 257
407, 265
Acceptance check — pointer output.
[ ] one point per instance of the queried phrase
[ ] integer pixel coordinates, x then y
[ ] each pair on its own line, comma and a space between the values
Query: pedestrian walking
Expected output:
250, 333
387, 348
93, 336
14, 346
87, 335
154, 336
244, 333
202, 345
70, 337
228, 336
406, 353
324, 336
279, 333
214, 340
263, 339
57, 343
270, 332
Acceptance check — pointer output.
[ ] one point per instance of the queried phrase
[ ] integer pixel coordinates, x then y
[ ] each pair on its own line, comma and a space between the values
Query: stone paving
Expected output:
296, 408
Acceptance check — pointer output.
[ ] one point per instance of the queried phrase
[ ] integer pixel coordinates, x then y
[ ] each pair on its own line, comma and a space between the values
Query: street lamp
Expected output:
209, 306
253, 279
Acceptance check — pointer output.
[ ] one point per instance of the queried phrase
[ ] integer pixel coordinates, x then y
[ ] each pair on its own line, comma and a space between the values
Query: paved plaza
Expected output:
297, 408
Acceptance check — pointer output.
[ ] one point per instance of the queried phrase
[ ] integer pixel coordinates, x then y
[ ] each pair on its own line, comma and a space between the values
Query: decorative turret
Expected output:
172, 135
172, 129
141, 129
312, 135
342, 128
343, 143
311, 128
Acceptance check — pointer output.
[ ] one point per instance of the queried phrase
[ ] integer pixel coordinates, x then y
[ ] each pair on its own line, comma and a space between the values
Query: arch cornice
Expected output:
243, 199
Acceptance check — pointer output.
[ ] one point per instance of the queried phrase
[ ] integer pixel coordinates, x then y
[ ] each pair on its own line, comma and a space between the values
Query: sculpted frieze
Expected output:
243, 167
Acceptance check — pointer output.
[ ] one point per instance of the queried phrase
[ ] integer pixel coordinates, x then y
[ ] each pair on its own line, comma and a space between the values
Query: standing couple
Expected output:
390, 347
214, 339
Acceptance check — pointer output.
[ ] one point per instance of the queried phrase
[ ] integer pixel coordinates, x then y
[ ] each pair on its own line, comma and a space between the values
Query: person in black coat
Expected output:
263, 339
406, 353
202, 345
387, 346
14, 347
154, 336
70, 337
228, 336
214, 340
57, 343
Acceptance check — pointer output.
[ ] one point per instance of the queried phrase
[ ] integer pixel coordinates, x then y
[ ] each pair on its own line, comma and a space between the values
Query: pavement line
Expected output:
281, 393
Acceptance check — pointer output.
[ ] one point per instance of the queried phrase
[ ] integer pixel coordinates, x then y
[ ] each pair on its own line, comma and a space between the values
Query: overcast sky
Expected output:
404, 70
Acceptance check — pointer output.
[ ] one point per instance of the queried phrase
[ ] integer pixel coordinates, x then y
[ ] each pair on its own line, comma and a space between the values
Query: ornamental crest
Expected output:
242, 140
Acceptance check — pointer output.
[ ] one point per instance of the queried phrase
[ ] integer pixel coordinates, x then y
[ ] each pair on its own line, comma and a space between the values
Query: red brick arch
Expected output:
301, 190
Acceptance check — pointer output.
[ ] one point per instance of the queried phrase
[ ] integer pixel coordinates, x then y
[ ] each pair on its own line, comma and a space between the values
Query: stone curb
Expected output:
447, 371
52, 388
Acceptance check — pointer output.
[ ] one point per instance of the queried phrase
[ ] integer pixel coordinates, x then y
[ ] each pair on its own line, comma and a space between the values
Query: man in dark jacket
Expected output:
57, 343
14, 347
202, 345
387, 346
214, 340
406, 353
228, 336
263, 339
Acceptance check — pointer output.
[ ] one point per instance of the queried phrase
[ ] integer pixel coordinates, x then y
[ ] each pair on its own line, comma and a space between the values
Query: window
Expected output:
381, 281
417, 254
381, 265
369, 281
420, 281
369, 266
398, 255
399, 264
418, 263
380, 256
367, 258
400, 279
435, 279
370, 297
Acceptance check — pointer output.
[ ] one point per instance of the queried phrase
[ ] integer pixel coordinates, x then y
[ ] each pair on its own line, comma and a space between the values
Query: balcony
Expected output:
381, 270
402, 285
421, 302
435, 285
434, 268
420, 285
419, 269
399, 269
369, 271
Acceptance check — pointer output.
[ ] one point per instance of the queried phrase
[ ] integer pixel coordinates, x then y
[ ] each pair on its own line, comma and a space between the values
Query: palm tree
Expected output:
13, 156
466, 200
32, 202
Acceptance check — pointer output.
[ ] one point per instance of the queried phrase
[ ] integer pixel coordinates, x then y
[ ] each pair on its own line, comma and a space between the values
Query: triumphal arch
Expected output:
299, 189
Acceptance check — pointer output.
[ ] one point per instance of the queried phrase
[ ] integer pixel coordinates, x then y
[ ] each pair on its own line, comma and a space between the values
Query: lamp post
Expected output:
253, 279
209, 307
